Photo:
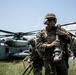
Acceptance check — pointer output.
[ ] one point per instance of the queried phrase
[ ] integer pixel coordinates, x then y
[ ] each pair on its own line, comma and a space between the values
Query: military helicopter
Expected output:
14, 44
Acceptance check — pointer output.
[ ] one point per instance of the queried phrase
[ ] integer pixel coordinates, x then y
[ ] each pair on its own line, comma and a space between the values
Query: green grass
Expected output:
16, 68
72, 68
11, 68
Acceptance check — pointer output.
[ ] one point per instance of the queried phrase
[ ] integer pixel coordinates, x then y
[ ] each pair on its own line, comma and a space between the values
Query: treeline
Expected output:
73, 47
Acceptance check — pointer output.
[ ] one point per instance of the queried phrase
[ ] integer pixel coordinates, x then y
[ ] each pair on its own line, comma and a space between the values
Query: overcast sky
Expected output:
28, 15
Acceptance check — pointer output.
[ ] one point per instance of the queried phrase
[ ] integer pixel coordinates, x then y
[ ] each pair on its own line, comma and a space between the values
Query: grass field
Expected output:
16, 68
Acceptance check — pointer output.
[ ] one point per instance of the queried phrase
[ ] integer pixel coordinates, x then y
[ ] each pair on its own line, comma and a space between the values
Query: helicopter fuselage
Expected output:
6, 51
15, 43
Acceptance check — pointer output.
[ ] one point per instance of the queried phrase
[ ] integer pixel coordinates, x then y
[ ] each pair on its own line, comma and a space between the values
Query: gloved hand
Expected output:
55, 43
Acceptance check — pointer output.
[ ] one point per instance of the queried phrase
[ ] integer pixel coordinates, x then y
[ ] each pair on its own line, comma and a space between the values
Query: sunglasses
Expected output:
52, 20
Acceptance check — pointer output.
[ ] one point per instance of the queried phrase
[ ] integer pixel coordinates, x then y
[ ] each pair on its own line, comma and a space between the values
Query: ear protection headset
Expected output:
46, 22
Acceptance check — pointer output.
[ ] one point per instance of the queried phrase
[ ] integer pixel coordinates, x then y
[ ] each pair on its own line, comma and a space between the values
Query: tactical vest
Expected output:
48, 36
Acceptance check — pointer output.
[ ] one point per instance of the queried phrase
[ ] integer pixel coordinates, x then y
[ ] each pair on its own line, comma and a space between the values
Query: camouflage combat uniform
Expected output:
37, 61
67, 51
48, 36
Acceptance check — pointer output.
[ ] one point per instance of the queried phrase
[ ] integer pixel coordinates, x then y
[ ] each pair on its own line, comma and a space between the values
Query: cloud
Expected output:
71, 27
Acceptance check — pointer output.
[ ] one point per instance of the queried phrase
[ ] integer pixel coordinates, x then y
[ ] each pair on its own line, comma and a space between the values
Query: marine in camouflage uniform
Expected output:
37, 61
67, 45
46, 43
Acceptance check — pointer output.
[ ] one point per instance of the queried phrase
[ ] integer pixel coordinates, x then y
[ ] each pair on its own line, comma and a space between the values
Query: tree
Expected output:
73, 47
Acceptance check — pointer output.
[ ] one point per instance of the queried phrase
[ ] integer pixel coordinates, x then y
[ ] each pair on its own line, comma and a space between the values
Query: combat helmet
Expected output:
48, 17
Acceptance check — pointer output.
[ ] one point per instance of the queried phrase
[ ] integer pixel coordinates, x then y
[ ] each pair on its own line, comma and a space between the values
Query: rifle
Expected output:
27, 68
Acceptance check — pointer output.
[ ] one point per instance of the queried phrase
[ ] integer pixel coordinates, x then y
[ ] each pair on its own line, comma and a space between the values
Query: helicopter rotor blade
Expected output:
1, 36
31, 31
6, 31
68, 24
71, 30
20, 34
60, 25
